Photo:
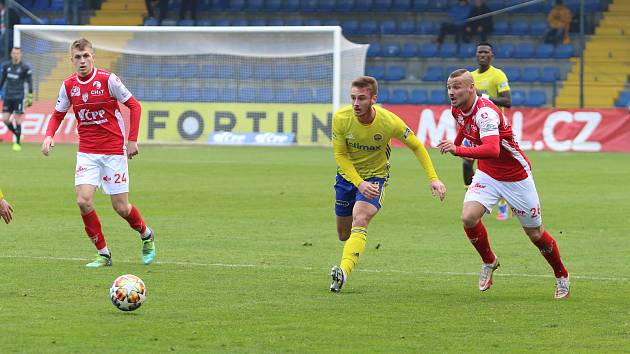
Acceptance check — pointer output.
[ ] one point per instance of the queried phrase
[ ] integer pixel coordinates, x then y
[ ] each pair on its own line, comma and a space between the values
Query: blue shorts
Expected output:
346, 194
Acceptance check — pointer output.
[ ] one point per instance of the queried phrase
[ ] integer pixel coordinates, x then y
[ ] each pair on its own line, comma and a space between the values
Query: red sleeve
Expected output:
459, 137
489, 149
134, 117
55, 122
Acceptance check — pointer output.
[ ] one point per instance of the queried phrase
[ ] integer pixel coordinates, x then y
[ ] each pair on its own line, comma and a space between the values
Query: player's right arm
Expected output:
61, 107
6, 210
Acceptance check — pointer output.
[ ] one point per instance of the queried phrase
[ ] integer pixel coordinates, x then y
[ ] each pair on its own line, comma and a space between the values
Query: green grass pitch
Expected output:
246, 238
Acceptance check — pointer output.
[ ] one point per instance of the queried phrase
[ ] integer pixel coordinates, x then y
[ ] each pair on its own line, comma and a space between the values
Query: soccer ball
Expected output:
128, 292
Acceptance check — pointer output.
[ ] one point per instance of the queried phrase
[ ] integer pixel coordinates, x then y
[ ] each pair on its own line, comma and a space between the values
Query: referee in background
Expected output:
14, 74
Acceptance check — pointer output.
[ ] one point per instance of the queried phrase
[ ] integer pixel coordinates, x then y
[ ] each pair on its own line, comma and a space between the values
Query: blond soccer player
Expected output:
361, 144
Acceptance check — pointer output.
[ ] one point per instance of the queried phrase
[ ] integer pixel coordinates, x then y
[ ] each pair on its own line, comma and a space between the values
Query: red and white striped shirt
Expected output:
485, 121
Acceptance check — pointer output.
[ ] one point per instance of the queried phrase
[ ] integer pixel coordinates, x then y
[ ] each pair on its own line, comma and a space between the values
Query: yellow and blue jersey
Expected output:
362, 150
491, 82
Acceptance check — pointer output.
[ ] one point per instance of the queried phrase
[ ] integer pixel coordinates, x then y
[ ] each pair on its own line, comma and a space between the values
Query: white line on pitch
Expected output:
227, 265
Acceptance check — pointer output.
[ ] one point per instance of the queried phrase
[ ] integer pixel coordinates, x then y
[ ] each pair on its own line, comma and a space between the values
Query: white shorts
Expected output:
110, 172
521, 196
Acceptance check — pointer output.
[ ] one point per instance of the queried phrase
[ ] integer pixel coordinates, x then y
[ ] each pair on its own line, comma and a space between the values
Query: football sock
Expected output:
478, 236
135, 221
355, 245
10, 127
18, 132
549, 249
93, 229
104, 251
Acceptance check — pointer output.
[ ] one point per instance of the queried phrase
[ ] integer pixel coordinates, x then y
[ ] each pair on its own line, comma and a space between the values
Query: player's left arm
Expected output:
118, 90
405, 135
504, 98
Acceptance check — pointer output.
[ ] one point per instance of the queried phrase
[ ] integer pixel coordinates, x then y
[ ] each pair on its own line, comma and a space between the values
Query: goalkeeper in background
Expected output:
361, 134
15, 73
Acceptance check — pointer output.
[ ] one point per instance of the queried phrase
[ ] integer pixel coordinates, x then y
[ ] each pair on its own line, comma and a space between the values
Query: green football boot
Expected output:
100, 261
148, 249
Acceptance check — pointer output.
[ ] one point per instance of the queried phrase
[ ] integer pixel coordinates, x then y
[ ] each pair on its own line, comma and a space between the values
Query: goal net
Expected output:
217, 85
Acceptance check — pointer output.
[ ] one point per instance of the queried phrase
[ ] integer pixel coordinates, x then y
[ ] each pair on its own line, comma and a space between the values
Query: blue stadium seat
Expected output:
623, 100
293, 22
222, 22
258, 22
241, 22
327, 5
437, 5
363, 5
25, 20
544, 51
248, 94
390, 50
388, 27
428, 50
350, 27
409, 50
519, 28
536, 98
274, 5
224, 71
202, 22
518, 97
406, 27
433, 73
169, 22
401, 5
209, 94
172, 93
368, 27
285, 95
266, 95
323, 95
331, 22
495, 4
291, 5
466, 51
501, 28
513, 73
188, 71
524, 50
550, 74
58, 21
133, 70
304, 95
530, 74
276, 22
504, 50
381, 5
374, 50
383, 95
309, 5
236, 5
538, 28
447, 50
255, 5
312, 22
395, 73
41, 5
418, 96
345, 5
426, 27
228, 94
186, 22
564, 51
399, 96
437, 97
376, 71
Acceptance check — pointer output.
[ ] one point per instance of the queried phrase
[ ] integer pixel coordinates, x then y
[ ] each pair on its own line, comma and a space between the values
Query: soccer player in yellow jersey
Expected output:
491, 83
361, 134
6, 210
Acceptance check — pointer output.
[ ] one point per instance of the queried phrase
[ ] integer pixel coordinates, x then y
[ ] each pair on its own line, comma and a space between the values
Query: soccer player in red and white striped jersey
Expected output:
503, 171
104, 148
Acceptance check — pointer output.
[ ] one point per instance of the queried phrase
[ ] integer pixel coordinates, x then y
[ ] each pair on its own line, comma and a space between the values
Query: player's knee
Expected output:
123, 209
534, 233
361, 220
469, 220
85, 204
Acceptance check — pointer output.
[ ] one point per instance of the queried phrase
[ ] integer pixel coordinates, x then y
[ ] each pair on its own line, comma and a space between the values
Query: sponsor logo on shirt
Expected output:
364, 147
75, 92
88, 115
378, 137
84, 97
97, 89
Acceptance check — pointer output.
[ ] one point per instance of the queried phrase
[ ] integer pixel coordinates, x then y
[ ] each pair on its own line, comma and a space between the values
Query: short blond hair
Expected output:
366, 81
81, 44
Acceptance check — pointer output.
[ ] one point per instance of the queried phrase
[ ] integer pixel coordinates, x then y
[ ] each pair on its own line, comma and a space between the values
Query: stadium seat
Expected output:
345, 5
312, 22
544, 51
495, 4
326, 5
447, 50
188, 71
58, 21
433, 73
273, 5
228, 94
240, 22
304, 95
309, 5
426, 27
500, 28
388, 27
331, 22
518, 97
550, 74
186, 22
203, 22
255, 5
390, 50
420, 5
376, 71
169, 22
623, 100
293, 22
381, 5
399, 96
291, 5
248, 94
524, 50
236, 5
25, 20
406, 27
437, 5
374, 50
418, 96
209, 94
383, 95
350, 27
395, 73
428, 50
363, 5
536, 98
519, 28
276, 22
538, 28
530, 74
466, 51
368, 27
513, 73
258, 22
285, 95
409, 50
437, 97
401, 5
564, 51
222, 22
504, 50
323, 95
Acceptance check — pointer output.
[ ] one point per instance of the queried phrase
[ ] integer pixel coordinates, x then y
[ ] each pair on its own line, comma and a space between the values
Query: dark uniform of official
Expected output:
15, 75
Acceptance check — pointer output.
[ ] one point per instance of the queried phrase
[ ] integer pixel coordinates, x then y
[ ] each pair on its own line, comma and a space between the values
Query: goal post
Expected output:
258, 85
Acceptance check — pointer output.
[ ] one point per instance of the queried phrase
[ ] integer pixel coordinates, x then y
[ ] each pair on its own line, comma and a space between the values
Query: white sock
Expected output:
104, 251
146, 233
